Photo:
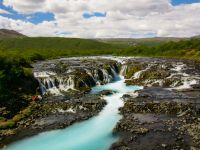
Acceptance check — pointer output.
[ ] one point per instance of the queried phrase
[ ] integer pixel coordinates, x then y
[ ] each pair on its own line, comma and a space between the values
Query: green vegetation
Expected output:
16, 81
46, 48
33, 49
23, 114
10, 123
187, 49
7, 124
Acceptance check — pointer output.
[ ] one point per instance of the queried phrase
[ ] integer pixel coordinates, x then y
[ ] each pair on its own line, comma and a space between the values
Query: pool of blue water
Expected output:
92, 134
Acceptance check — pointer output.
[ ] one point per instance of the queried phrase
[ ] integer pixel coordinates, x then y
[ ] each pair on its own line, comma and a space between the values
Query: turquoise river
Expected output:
92, 134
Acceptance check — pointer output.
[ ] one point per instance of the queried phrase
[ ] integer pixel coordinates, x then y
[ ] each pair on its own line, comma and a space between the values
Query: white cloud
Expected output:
130, 18
2, 11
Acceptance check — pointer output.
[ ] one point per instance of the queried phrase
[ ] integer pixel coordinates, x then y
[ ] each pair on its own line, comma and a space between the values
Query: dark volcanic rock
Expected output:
54, 114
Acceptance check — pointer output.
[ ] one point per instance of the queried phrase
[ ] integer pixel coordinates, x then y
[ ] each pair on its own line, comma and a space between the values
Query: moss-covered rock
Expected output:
152, 107
134, 82
172, 82
132, 70
83, 81
154, 74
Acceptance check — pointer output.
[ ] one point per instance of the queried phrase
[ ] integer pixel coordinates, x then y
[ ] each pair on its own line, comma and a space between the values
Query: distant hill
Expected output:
196, 37
5, 33
141, 41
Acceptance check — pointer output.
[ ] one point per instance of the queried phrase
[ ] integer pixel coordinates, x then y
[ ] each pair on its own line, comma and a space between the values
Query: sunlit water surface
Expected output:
92, 134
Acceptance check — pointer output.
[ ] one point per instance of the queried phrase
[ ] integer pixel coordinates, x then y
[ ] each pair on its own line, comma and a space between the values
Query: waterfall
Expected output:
42, 87
114, 73
91, 75
107, 78
65, 85
96, 76
54, 84
123, 70
51, 83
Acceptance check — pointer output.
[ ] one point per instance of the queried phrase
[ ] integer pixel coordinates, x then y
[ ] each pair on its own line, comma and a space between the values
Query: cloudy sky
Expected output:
102, 18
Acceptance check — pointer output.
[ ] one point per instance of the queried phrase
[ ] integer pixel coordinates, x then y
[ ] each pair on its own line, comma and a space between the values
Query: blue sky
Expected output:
102, 18
178, 2
94, 14
33, 18
40, 17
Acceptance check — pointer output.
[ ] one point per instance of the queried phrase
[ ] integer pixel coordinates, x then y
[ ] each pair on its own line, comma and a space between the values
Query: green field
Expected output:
39, 48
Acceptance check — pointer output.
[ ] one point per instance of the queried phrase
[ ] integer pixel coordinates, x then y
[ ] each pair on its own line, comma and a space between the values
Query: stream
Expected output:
92, 134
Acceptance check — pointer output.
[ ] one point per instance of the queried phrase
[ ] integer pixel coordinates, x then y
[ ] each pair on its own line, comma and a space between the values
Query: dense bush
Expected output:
16, 80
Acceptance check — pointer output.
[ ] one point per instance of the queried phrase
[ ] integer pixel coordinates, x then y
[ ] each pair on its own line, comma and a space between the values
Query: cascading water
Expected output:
123, 70
93, 134
55, 85
51, 83
137, 74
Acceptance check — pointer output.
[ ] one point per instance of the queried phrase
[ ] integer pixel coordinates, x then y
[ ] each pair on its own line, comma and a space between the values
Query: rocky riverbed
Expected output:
166, 113
163, 115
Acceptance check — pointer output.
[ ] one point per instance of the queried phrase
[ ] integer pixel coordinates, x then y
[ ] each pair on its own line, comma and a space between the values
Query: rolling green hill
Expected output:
55, 47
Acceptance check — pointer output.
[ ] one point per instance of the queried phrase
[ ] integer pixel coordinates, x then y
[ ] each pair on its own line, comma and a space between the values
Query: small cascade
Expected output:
138, 74
178, 67
65, 85
115, 75
123, 70
48, 85
107, 78
91, 75
188, 82
53, 84
42, 87
96, 76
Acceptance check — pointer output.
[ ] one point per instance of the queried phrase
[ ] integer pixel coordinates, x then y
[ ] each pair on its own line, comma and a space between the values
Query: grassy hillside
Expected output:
54, 47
